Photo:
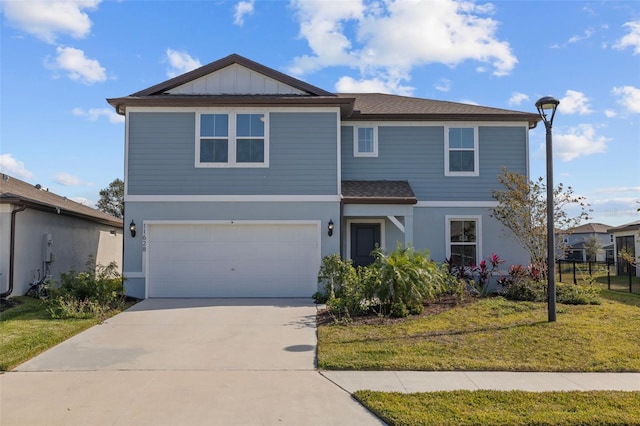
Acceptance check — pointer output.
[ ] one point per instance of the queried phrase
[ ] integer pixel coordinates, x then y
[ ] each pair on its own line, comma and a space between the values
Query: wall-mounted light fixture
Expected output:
330, 227
132, 229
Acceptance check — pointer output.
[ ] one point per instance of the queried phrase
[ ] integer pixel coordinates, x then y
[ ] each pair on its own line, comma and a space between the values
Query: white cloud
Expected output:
348, 84
517, 98
67, 179
611, 204
629, 98
13, 167
84, 201
392, 37
93, 114
619, 190
180, 62
587, 33
47, 19
632, 39
574, 103
468, 102
609, 113
242, 9
444, 85
78, 66
321, 24
579, 141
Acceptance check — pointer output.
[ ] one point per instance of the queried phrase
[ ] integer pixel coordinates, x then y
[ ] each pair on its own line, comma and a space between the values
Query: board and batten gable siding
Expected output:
302, 159
416, 154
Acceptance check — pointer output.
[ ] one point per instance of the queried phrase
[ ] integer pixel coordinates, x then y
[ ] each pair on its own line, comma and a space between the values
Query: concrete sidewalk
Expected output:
430, 381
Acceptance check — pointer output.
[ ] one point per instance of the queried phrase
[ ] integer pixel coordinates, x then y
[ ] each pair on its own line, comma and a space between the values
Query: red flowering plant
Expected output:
477, 277
483, 272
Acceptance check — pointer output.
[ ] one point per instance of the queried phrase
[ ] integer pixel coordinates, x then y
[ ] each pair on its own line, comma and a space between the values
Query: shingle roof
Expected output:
591, 228
626, 227
374, 106
15, 191
355, 106
377, 192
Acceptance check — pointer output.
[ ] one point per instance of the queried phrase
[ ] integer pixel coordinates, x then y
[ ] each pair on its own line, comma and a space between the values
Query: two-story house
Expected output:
239, 179
582, 242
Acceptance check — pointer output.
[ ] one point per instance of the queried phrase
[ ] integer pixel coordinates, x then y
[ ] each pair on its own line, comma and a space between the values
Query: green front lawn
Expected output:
494, 334
504, 408
28, 329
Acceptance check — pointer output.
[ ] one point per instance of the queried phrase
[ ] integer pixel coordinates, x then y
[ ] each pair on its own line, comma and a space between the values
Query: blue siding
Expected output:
430, 233
303, 151
417, 154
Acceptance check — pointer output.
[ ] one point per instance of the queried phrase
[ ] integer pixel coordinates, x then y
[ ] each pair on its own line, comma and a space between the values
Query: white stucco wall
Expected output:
73, 240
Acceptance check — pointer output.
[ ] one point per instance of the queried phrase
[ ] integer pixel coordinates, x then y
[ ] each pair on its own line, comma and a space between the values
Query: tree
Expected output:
522, 208
112, 199
592, 246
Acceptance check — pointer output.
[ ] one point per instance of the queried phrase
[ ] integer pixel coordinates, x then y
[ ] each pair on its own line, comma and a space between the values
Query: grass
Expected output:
28, 329
618, 283
494, 334
504, 408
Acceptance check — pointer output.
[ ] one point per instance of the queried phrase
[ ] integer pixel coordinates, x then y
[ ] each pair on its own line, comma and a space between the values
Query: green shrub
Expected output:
526, 290
91, 293
571, 294
399, 310
336, 274
408, 278
526, 285
396, 284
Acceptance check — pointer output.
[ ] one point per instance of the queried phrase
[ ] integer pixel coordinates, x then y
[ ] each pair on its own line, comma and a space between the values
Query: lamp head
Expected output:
547, 103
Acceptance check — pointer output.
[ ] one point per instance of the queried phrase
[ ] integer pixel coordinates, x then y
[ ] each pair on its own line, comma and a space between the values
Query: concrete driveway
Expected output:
184, 362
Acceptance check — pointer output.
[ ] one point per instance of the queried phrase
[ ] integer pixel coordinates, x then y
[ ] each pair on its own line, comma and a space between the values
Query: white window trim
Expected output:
447, 231
476, 155
232, 145
356, 152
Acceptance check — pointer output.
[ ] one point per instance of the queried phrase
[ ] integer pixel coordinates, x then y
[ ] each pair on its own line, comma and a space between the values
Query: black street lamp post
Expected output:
549, 103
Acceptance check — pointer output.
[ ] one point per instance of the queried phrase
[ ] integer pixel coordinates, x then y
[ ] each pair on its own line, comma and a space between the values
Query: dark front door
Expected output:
365, 237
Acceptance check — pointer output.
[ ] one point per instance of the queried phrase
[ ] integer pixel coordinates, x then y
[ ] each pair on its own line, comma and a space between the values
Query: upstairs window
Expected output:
232, 140
461, 151
365, 142
250, 138
214, 138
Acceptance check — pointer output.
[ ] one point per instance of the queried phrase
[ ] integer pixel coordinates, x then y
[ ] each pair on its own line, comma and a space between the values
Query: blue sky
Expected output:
60, 60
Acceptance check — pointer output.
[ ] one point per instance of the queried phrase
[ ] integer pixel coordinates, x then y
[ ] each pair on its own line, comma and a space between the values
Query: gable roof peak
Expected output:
234, 58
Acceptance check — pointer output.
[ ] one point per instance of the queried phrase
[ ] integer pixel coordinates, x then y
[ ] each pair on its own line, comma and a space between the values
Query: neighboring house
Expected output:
239, 179
627, 237
578, 240
44, 233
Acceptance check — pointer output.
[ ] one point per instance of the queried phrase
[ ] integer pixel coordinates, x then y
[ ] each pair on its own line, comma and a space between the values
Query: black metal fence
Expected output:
576, 269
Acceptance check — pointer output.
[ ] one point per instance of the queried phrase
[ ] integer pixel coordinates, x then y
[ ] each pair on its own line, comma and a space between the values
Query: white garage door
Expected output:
232, 260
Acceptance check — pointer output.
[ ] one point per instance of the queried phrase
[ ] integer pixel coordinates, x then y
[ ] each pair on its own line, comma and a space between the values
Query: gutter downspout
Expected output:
12, 250
342, 223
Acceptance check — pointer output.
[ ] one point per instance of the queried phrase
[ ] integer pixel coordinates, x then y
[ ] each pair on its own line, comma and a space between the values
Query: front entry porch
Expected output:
375, 214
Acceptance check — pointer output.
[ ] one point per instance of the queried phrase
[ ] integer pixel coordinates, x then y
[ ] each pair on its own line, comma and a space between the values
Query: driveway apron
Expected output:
184, 362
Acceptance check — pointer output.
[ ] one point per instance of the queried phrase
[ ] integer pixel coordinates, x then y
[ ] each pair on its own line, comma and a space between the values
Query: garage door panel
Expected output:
232, 260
